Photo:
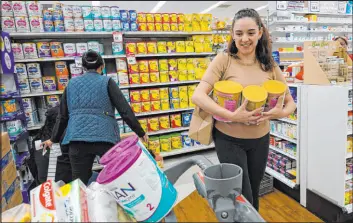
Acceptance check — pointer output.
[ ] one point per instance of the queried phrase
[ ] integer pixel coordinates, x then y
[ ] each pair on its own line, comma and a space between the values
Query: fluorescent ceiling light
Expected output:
96, 3
158, 6
213, 6
261, 7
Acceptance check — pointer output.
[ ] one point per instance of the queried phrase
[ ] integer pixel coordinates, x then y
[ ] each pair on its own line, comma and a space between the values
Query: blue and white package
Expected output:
33, 70
186, 118
196, 143
88, 24
115, 13
57, 15
36, 85
87, 12
107, 25
276, 57
96, 12
126, 26
186, 140
59, 26
124, 14
24, 86
133, 26
105, 11
20, 70
132, 15
98, 25
48, 26
116, 25
47, 15
117, 48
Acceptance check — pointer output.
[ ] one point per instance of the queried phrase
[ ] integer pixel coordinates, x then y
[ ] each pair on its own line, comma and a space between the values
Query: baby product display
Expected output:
282, 165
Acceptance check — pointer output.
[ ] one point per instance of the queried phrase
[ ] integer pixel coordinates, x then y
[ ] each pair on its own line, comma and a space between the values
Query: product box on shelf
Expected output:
8, 175
12, 197
5, 144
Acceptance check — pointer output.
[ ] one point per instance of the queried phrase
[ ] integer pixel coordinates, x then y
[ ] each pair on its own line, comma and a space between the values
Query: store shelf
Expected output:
349, 176
314, 13
310, 31
42, 94
284, 137
175, 54
159, 84
5, 96
22, 135
349, 155
280, 177
282, 152
168, 131
186, 150
297, 52
288, 121
164, 34
310, 22
160, 112
35, 127
18, 115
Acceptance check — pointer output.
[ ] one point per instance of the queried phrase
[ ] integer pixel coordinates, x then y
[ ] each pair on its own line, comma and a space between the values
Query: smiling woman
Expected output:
248, 61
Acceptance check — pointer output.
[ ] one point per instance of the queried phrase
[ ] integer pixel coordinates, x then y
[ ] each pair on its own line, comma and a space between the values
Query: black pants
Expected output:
82, 156
250, 155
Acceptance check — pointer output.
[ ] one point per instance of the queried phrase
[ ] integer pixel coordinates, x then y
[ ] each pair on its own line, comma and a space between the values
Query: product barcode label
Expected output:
131, 59
118, 37
281, 5
78, 61
314, 6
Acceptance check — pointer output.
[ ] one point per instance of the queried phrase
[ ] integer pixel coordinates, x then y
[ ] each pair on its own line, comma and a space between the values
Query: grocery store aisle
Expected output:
274, 207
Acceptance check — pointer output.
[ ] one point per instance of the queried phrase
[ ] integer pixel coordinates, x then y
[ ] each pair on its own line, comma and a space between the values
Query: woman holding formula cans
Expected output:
244, 140
87, 114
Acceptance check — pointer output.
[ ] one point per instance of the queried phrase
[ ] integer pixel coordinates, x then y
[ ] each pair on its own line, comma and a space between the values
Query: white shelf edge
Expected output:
282, 152
168, 131
308, 22
307, 12
186, 150
174, 54
297, 52
280, 177
308, 31
288, 121
41, 94
284, 137
158, 84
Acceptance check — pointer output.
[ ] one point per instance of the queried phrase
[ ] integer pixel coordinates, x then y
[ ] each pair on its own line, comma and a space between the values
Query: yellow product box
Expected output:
175, 103
162, 47
165, 104
187, 27
146, 106
5, 144
172, 64
163, 65
175, 120
157, 17
182, 75
164, 93
196, 26
133, 68
180, 46
143, 123
174, 27
142, 26
145, 94
205, 26
190, 64
183, 91
150, 17
187, 18
208, 43
182, 64
189, 46
181, 18
164, 76
165, 143
191, 75
153, 65
173, 92
144, 78
164, 122
153, 124
191, 105
166, 27
151, 26
141, 17
141, 47
173, 18
173, 75
181, 27
171, 47
154, 77
135, 96
191, 89
136, 107
184, 102
15, 200
8, 175
196, 17
154, 145
143, 66
176, 141
130, 48
158, 26
154, 94
151, 47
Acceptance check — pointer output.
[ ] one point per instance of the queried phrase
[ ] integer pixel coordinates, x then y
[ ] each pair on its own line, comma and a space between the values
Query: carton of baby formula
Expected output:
87, 12
81, 48
17, 51
43, 49
24, 86
88, 25
8, 24
36, 85
19, 8
49, 83
98, 25
36, 24
21, 70
79, 25
105, 11
33, 8
77, 11
29, 50
6, 8
69, 49
69, 24
33, 70
22, 24
67, 11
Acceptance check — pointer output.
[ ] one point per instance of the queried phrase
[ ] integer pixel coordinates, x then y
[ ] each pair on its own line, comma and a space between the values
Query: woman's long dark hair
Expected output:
263, 48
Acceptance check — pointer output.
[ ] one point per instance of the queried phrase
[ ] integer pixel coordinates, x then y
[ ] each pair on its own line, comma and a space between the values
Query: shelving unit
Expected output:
187, 150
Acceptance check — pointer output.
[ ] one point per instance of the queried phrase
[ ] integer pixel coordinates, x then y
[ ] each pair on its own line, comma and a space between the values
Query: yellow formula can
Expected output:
134, 78
275, 89
165, 143
181, 27
153, 124
184, 102
166, 27
183, 91
157, 17
182, 64
163, 65
175, 103
151, 47
141, 47
189, 46
180, 46
164, 122
174, 27
146, 106
172, 64
227, 94
143, 123
171, 47
153, 144
164, 93
191, 75
135, 96
155, 105
144, 78
145, 95
154, 94
162, 47
176, 141
153, 65
182, 75
256, 96
143, 66
154, 77
149, 18
136, 107
164, 76
158, 26
165, 104
141, 17
130, 48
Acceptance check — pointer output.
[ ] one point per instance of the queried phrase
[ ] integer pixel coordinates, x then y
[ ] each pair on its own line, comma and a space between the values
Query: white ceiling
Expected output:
178, 6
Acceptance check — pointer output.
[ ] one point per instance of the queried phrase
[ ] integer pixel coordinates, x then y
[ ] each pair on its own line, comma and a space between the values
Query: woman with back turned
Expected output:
87, 114
245, 140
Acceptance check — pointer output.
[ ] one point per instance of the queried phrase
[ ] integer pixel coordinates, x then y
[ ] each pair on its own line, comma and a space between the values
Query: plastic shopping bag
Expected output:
20, 213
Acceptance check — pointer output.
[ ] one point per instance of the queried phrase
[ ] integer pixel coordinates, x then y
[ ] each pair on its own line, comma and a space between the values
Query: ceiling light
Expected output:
261, 7
158, 6
96, 3
213, 6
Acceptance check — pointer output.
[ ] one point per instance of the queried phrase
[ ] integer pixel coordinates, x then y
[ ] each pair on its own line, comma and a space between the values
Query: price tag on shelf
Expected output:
314, 6
131, 59
342, 7
78, 61
118, 37
281, 5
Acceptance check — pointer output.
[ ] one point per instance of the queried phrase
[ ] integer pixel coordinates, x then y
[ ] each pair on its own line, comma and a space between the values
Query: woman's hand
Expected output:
275, 113
243, 116
145, 138
47, 144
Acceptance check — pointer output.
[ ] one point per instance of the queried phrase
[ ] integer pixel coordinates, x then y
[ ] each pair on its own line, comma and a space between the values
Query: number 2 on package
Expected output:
150, 206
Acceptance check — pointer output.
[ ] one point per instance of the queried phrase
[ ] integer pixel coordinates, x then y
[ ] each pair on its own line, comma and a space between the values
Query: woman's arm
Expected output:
61, 120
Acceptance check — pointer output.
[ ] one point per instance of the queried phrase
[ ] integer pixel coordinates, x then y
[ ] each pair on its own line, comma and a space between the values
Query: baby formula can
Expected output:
87, 12
67, 11
107, 25
133, 15
126, 26
176, 140
69, 25
6, 8
165, 142
116, 25
227, 94
19, 8
61, 68
29, 50
57, 6
77, 11
57, 15
186, 119
43, 49
28, 104
75, 71
124, 14
47, 15
275, 89
17, 51
187, 142
14, 128
93, 45
105, 11
48, 26
52, 100
49, 83
62, 82
21, 70
56, 49
36, 85
59, 26
22, 24
134, 161
133, 26
115, 13
121, 65
88, 24
79, 25
81, 48
256, 96
96, 12
33, 8
98, 25
101, 50
117, 48
24, 86
69, 49
33, 70
8, 24
36, 24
